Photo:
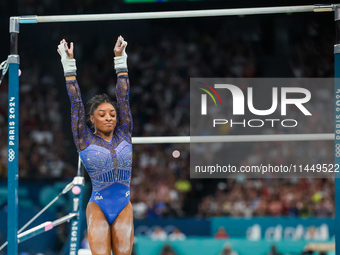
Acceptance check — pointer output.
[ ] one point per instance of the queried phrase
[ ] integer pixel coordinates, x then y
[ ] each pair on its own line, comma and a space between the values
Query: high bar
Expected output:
234, 138
176, 14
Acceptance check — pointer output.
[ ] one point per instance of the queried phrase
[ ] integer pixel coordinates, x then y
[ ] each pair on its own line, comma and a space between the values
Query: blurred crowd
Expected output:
160, 103
40, 127
275, 197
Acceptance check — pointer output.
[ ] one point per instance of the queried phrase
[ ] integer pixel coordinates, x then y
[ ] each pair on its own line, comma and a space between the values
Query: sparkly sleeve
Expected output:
81, 133
124, 125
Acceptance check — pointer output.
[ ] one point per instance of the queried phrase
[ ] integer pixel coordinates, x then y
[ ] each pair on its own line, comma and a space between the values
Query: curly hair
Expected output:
94, 102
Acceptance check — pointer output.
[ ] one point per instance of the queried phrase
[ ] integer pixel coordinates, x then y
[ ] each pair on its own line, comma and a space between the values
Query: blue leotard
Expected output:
107, 163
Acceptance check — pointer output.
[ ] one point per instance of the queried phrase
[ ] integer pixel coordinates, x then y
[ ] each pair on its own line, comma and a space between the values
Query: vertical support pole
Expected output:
77, 191
13, 138
79, 172
337, 125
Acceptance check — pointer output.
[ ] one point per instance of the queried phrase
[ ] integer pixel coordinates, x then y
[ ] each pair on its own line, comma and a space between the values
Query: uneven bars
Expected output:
233, 138
176, 14
44, 227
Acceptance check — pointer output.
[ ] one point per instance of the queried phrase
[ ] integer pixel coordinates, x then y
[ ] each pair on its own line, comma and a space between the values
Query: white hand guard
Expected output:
69, 64
121, 61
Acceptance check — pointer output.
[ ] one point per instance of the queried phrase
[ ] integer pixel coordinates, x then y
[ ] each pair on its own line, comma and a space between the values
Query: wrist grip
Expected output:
69, 65
120, 62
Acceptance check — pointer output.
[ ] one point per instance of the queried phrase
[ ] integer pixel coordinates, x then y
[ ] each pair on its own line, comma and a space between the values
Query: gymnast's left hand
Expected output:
120, 46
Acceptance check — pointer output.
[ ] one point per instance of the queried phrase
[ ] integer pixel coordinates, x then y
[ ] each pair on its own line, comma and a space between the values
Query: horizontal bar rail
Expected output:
176, 14
233, 138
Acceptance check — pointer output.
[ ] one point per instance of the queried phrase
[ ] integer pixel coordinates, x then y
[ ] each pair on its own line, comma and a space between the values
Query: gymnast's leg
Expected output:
122, 232
98, 230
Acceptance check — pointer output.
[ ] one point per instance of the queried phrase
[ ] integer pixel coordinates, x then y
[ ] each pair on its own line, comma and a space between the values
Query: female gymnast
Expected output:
106, 154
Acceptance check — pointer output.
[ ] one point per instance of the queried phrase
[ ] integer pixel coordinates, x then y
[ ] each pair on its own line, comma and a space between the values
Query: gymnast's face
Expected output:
104, 119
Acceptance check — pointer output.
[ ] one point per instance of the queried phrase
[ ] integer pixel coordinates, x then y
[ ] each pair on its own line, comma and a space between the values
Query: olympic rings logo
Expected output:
337, 150
11, 155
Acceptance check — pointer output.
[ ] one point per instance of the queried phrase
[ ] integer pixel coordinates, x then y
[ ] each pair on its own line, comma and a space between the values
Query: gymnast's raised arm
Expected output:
124, 124
81, 132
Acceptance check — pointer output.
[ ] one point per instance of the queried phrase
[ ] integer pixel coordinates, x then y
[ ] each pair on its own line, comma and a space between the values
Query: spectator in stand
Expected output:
221, 233
307, 252
273, 250
320, 234
177, 235
167, 250
227, 250
158, 234
303, 197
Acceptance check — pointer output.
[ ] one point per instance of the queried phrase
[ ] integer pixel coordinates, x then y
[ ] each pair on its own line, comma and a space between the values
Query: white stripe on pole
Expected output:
232, 138
204, 104
175, 14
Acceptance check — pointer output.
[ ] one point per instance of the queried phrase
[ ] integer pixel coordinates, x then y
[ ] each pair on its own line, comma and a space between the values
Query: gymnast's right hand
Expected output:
69, 63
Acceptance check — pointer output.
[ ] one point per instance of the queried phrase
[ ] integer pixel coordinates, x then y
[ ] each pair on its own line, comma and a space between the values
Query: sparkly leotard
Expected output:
107, 163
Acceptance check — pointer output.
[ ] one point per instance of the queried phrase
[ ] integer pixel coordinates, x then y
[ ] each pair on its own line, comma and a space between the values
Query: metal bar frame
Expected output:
177, 14
337, 126
13, 137
64, 191
44, 227
79, 183
13, 91
77, 203
233, 138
